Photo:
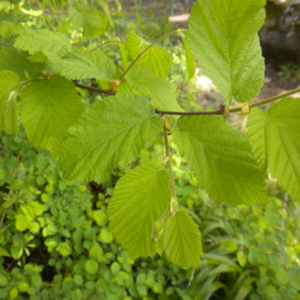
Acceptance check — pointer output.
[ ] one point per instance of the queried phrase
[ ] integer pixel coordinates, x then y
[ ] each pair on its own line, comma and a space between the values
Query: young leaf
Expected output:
190, 59
279, 143
110, 132
81, 64
151, 85
8, 81
220, 156
12, 60
156, 58
223, 37
182, 241
50, 43
11, 116
48, 108
92, 21
140, 198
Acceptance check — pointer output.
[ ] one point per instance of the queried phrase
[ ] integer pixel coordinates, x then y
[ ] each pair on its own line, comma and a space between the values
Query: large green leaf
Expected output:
8, 81
48, 42
110, 132
182, 241
156, 58
275, 138
221, 157
151, 85
223, 37
48, 108
90, 19
81, 64
140, 198
12, 60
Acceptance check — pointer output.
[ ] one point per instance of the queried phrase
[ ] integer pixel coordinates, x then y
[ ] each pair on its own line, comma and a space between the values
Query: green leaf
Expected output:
23, 287
32, 209
95, 252
151, 85
13, 293
100, 217
78, 279
223, 37
110, 133
91, 266
82, 63
64, 249
50, 43
140, 198
93, 22
282, 276
106, 236
8, 81
270, 289
229, 245
48, 108
12, 60
39, 57
16, 252
220, 156
115, 268
11, 116
190, 59
141, 278
22, 223
156, 58
142, 290
242, 258
3, 252
275, 139
182, 241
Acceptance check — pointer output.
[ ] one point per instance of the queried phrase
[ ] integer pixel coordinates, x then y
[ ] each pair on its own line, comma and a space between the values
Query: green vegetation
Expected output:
129, 227
55, 241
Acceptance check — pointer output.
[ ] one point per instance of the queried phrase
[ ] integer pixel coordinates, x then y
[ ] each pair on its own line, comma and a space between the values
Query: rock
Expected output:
280, 35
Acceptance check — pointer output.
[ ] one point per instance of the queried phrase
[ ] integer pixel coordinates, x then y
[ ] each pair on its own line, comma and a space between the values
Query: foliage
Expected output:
250, 252
90, 140
289, 70
55, 240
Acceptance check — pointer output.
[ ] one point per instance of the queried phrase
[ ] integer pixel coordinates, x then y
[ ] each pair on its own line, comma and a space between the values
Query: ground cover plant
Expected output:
55, 242
42, 72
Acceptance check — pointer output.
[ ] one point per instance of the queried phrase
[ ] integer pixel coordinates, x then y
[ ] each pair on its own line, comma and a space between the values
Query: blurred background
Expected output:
54, 236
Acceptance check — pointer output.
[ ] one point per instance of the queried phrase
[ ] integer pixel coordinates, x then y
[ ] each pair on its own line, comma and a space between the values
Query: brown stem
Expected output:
192, 113
219, 112
94, 89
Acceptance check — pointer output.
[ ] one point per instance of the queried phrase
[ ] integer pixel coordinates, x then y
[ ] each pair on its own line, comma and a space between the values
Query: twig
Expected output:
220, 112
2, 218
94, 89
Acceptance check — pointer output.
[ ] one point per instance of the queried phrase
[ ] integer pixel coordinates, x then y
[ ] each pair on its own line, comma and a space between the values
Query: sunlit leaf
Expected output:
140, 198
